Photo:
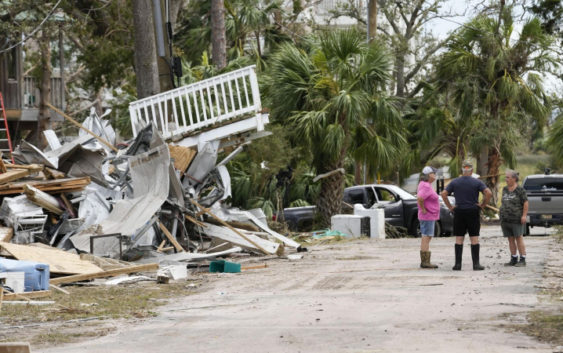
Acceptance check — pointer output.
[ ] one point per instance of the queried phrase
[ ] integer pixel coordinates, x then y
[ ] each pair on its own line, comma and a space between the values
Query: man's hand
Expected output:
523, 220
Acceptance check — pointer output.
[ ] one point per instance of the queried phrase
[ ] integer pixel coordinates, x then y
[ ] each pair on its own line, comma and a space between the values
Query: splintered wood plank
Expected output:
57, 185
33, 167
59, 261
13, 174
6, 233
170, 237
110, 273
27, 295
53, 174
182, 157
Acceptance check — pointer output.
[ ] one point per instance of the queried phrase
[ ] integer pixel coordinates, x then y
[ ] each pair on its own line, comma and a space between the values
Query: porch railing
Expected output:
182, 110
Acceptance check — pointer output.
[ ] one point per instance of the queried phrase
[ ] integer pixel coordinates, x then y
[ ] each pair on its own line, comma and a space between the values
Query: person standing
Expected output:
467, 217
513, 212
428, 214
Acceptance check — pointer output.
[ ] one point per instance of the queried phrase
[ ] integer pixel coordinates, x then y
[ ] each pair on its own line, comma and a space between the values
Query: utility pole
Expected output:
162, 32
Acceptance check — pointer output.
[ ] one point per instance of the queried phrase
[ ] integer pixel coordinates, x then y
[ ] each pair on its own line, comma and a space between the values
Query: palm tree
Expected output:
327, 96
487, 75
555, 141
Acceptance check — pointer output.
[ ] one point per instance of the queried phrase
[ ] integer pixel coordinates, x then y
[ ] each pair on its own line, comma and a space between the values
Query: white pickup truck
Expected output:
545, 199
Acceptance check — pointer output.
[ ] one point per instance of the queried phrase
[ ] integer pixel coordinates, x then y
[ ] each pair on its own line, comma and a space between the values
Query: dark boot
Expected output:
425, 260
513, 261
458, 253
521, 263
475, 256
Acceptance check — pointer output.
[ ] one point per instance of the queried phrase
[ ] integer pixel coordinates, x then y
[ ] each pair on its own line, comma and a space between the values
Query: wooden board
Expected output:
110, 273
13, 174
59, 261
182, 157
58, 185
27, 295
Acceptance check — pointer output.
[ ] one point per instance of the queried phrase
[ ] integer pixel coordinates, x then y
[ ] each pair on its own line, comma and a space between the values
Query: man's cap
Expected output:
467, 164
428, 170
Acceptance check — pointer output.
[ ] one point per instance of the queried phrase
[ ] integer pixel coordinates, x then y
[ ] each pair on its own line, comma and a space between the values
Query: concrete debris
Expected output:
153, 199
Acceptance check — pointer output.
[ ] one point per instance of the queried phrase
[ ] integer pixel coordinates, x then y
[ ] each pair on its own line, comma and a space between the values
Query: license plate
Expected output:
545, 216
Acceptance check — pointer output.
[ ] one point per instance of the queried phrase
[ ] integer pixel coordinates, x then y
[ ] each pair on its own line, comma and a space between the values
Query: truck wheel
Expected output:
414, 229
527, 232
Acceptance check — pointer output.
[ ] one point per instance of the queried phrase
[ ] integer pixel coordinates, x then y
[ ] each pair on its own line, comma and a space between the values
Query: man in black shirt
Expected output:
466, 212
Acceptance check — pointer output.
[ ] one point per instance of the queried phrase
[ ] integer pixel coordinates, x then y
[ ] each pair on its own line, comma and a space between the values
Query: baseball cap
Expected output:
428, 170
467, 164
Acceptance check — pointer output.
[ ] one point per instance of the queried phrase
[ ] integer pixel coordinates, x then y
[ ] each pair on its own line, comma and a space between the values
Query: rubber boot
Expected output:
458, 253
513, 261
425, 260
475, 257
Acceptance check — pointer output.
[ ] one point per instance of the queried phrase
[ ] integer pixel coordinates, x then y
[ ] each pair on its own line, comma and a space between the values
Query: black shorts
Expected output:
467, 221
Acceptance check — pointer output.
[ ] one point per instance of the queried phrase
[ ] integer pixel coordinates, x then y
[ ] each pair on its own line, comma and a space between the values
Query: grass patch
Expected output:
62, 321
545, 326
122, 301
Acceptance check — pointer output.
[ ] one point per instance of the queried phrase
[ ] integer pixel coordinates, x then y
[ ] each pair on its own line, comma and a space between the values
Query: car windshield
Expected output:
402, 193
544, 184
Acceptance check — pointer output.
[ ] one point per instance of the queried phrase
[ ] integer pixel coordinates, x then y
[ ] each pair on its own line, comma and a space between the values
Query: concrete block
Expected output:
352, 225
377, 220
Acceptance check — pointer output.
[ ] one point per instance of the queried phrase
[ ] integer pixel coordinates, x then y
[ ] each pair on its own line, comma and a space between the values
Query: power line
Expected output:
34, 31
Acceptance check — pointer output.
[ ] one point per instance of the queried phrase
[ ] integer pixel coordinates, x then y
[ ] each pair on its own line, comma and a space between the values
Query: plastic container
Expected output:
36, 274
224, 266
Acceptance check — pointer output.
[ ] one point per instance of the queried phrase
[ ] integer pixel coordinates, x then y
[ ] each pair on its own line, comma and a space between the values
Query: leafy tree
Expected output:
326, 97
487, 74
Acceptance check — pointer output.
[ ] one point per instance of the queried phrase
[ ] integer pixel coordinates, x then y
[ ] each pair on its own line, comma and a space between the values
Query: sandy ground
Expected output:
358, 296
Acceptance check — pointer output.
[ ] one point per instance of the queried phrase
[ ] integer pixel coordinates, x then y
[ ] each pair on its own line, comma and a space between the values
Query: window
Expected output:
385, 196
13, 63
544, 184
356, 196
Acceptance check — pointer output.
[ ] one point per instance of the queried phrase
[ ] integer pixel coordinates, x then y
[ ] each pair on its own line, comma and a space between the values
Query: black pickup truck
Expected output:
545, 199
400, 207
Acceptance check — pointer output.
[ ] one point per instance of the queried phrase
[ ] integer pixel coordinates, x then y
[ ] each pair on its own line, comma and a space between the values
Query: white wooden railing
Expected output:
205, 103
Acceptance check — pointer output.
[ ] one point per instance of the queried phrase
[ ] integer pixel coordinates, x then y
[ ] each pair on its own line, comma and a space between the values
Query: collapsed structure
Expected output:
159, 196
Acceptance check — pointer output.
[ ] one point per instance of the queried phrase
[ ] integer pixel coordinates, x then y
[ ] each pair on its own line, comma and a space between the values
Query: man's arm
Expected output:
444, 195
487, 194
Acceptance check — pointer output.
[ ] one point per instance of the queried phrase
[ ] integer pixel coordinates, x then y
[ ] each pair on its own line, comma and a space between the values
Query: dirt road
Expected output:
358, 296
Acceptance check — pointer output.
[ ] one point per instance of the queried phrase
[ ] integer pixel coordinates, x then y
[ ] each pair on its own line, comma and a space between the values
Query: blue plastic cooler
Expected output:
36, 274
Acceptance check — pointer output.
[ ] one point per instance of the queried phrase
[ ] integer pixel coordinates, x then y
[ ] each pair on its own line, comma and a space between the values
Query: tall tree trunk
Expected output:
494, 162
372, 16
358, 179
146, 68
483, 161
218, 34
43, 123
400, 74
330, 200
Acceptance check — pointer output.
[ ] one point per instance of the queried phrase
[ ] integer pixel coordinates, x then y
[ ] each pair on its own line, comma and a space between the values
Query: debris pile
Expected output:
76, 205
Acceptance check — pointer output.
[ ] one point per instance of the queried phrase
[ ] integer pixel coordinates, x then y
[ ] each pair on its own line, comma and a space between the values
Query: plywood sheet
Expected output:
182, 157
59, 261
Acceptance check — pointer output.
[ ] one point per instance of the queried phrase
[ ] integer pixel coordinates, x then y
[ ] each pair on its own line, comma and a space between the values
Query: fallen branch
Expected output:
325, 175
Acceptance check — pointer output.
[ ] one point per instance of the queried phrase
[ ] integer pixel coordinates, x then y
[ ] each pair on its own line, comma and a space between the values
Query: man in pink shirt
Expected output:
428, 213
